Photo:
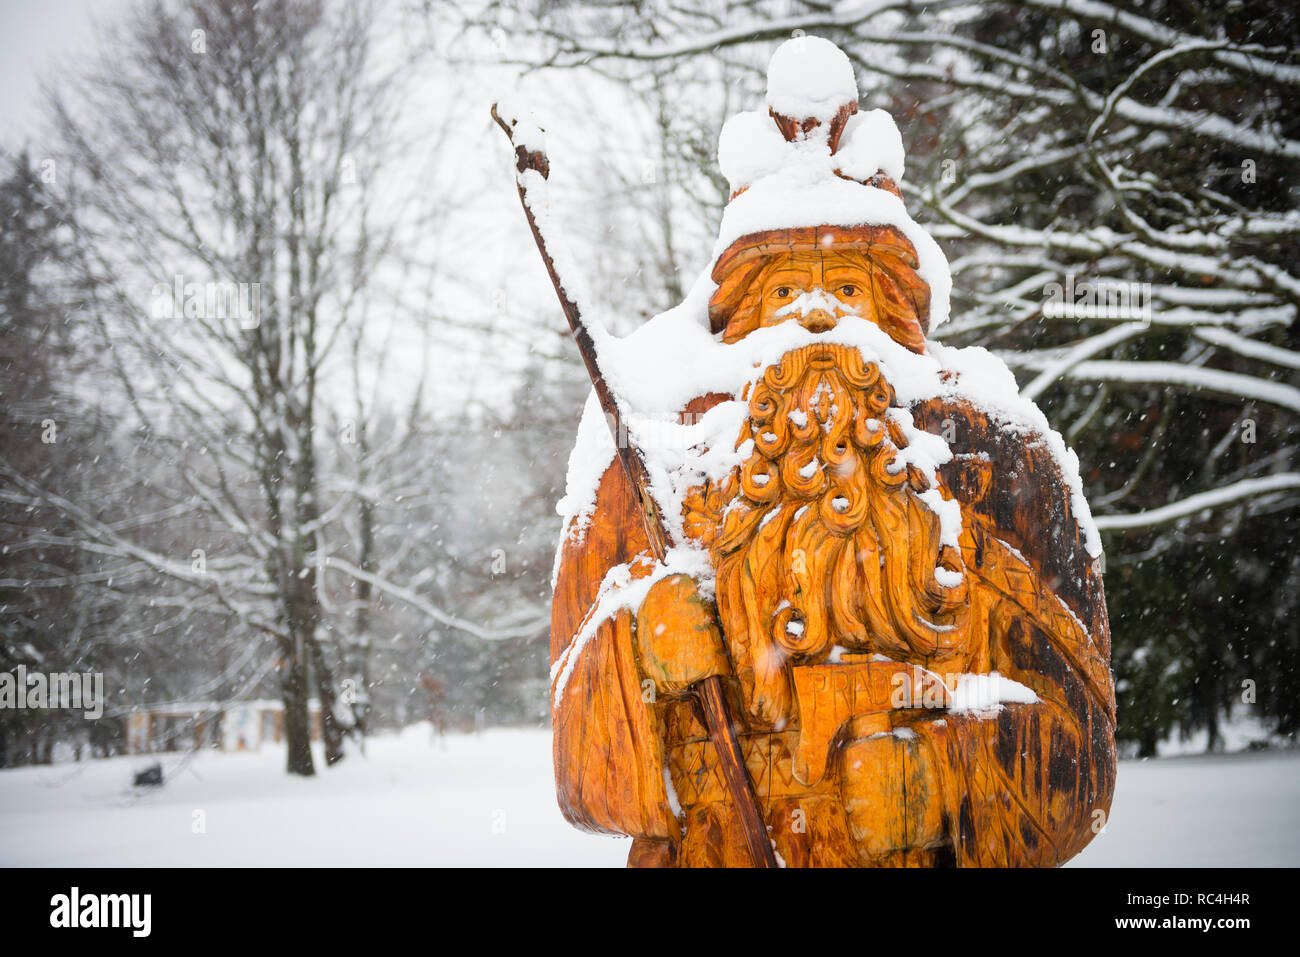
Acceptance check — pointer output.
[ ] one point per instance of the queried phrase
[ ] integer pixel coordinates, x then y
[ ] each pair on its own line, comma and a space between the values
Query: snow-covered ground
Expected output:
1226, 810
488, 800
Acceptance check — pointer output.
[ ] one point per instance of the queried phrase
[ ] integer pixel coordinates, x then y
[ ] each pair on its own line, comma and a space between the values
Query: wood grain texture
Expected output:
842, 647
607, 747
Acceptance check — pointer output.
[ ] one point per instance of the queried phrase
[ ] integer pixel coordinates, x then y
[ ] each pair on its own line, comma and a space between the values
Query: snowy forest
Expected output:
287, 399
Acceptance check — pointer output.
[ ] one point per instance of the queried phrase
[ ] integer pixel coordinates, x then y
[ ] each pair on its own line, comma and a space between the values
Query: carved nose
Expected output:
819, 320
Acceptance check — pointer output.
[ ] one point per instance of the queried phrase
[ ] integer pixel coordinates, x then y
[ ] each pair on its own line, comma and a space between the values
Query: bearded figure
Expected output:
898, 580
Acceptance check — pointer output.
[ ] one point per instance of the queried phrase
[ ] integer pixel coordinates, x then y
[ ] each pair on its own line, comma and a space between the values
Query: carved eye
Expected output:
783, 292
848, 291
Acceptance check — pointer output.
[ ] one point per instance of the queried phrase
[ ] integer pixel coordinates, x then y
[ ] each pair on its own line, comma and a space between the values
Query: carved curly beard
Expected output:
816, 540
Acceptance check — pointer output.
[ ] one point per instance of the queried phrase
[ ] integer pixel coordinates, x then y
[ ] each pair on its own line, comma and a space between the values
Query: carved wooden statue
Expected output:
901, 599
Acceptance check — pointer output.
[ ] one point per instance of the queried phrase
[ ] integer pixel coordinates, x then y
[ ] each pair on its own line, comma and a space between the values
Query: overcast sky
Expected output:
36, 39
495, 262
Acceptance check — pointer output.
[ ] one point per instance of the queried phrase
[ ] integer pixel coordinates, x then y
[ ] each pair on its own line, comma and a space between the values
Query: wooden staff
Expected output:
709, 692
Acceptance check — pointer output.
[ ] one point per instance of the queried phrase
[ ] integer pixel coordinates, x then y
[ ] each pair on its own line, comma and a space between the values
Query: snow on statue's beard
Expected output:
819, 536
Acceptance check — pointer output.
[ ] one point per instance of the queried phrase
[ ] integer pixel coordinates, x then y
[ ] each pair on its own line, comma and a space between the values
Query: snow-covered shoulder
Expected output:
985, 381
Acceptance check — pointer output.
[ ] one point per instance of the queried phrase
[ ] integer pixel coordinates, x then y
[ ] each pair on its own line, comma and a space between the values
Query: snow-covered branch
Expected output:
528, 629
1234, 384
1201, 502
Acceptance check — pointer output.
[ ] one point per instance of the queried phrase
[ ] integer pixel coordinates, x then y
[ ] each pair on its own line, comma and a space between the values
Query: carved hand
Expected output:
890, 789
677, 636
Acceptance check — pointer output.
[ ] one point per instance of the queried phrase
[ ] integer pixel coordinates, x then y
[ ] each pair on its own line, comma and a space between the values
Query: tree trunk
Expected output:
1148, 746
361, 644
297, 727
332, 730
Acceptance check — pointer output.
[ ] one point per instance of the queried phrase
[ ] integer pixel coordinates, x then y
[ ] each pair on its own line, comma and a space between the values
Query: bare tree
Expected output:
221, 163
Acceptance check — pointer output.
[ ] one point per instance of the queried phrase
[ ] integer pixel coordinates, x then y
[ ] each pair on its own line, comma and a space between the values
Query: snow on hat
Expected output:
813, 172
810, 77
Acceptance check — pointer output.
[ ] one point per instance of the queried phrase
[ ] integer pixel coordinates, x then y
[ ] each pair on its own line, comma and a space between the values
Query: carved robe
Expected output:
844, 775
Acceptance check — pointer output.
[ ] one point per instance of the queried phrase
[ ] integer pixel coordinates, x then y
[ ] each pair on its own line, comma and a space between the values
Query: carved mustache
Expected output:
817, 310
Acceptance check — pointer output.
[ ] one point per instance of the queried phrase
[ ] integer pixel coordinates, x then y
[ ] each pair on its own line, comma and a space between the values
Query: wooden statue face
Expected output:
833, 284
845, 283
